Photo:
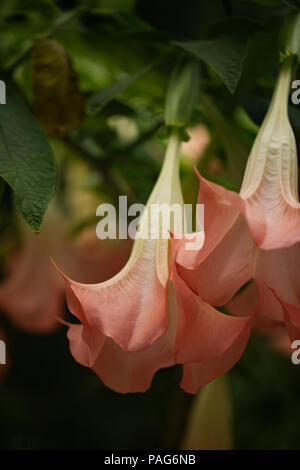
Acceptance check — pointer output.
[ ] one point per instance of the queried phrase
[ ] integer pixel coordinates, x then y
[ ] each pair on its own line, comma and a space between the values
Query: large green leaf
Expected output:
26, 160
225, 54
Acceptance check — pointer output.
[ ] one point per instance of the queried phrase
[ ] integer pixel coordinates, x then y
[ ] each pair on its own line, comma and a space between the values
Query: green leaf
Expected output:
99, 100
225, 54
26, 160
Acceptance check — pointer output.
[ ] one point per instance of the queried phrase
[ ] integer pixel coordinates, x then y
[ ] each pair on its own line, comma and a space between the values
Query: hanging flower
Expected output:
270, 186
254, 235
131, 308
146, 317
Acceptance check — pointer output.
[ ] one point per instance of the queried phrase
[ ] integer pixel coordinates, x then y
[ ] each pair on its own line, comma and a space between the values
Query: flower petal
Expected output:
198, 375
291, 318
221, 209
227, 268
123, 372
204, 333
131, 308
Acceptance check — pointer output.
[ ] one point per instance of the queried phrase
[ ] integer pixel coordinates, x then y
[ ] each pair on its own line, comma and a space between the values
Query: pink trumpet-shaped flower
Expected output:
131, 308
146, 317
270, 186
123, 334
254, 236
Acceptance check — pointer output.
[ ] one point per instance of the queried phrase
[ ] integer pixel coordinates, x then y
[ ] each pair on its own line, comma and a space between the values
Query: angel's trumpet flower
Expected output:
254, 235
146, 317
131, 308
270, 185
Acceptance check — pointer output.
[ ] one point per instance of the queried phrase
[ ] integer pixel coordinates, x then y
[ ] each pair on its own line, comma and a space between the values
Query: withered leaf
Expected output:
57, 101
